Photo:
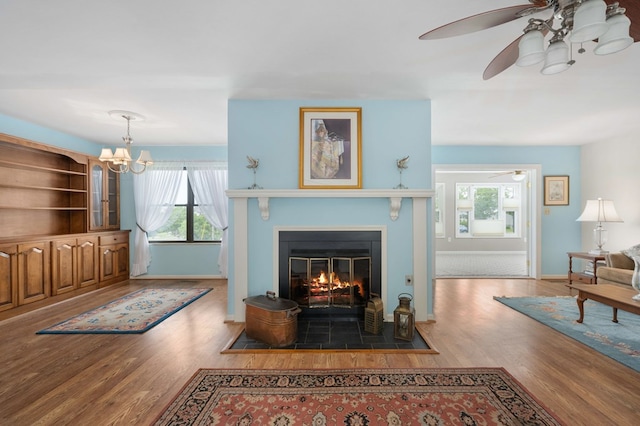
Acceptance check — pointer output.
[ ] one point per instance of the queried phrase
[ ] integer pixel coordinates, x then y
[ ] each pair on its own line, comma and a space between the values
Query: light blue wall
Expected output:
560, 231
15, 127
269, 131
173, 259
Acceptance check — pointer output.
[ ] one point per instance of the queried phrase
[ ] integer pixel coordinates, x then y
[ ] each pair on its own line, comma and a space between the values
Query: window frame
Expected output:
190, 209
466, 207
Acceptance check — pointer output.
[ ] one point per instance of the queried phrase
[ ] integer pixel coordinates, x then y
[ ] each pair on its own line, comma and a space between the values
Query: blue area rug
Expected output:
134, 313
619, 341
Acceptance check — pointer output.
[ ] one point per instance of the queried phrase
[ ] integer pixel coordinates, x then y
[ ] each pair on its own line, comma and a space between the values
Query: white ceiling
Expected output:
64, 64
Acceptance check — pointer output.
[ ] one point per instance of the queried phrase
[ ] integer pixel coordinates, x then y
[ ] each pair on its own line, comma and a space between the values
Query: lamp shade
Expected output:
530, 49
557, 58
617, 38
599, 211
121, 156
106, 155
145, 158
589, 21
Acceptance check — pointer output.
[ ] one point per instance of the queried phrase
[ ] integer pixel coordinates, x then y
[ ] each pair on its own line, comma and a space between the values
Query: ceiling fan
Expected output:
518, 175
563, 14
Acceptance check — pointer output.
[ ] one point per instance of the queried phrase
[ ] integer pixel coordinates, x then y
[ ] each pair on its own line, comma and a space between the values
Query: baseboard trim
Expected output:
177, 277
554, 277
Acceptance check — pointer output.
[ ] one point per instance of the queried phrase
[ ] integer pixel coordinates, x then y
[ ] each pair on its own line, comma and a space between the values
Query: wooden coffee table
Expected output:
611, 295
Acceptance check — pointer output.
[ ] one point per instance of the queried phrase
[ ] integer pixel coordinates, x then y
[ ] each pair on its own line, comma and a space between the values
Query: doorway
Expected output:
486, 221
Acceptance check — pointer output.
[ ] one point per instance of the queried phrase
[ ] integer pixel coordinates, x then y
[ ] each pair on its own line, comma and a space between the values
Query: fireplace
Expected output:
330, 273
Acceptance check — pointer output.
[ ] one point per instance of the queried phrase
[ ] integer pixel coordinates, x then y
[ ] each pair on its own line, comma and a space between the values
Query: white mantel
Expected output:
395, 196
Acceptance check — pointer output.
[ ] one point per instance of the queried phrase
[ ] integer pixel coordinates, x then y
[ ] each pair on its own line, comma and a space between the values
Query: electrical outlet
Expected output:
408, 279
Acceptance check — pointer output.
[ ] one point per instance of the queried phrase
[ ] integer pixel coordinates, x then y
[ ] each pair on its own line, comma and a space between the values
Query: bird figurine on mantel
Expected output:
401, 164
253, 165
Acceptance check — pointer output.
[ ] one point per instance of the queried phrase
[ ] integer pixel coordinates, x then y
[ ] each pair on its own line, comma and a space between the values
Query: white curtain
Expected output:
209, 183
155, 192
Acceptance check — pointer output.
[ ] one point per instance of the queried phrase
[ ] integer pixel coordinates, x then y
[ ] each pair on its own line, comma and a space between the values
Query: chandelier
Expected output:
120, 161
578, 21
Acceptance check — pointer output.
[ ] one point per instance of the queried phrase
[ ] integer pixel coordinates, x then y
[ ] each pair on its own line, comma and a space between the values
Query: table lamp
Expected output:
599, 211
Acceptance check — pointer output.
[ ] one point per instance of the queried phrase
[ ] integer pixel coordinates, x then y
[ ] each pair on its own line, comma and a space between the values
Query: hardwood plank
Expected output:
129, 379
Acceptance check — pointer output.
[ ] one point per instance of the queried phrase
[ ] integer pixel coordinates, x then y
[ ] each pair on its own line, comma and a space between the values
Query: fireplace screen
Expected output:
329, 282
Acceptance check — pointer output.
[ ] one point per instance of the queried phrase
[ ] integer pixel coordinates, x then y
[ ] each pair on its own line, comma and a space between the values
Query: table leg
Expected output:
570, 268
615, 314
580, 301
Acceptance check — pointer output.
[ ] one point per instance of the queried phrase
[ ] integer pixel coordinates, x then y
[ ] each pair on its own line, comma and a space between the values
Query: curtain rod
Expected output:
219, 165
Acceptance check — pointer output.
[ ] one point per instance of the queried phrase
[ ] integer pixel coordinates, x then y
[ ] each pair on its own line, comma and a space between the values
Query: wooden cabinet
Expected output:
114, 257
59, 225
8, 276
104, 198
34, 279
74, 263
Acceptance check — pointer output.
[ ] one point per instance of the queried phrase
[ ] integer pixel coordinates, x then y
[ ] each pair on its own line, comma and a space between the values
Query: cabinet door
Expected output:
112, 189
104, 199
122, 265
108, 262
33, 272
8, 277
63, 266
87, 257
97, 198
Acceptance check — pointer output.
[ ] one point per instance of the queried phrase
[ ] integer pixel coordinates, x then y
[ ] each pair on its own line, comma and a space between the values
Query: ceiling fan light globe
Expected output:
557, 58
518, 177
531, 49
589, 21
617, 38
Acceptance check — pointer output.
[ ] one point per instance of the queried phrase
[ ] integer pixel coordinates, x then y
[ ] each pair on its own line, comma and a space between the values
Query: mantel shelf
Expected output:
395, 196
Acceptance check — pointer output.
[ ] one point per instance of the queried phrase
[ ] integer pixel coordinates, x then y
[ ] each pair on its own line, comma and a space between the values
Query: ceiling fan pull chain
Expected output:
581, 50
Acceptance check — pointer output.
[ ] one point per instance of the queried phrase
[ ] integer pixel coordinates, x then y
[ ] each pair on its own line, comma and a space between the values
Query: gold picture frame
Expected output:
330, 148
556, 190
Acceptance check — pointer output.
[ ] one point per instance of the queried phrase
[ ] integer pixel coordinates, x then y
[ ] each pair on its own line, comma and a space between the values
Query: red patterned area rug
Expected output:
462, 396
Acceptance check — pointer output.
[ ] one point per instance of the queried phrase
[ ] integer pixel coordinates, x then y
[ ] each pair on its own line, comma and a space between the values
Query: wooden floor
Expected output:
129, 379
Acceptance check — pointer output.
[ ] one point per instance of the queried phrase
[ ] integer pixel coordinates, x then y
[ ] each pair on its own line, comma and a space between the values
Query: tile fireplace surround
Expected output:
421, 289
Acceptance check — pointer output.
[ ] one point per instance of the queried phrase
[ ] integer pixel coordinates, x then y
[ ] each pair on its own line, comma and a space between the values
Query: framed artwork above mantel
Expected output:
330, 148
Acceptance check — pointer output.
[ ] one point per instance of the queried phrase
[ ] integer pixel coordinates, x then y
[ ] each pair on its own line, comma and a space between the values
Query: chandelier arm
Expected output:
137, 172
120, 168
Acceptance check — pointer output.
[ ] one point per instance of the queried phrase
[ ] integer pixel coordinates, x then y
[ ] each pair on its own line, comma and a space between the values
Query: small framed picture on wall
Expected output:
556, 190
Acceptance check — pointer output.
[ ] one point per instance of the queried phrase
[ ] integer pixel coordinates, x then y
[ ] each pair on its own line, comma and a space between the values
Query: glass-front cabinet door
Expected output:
113, 199
104, 210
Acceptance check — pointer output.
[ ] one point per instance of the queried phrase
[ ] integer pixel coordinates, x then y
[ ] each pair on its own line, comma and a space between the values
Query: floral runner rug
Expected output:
134, 313
462, 396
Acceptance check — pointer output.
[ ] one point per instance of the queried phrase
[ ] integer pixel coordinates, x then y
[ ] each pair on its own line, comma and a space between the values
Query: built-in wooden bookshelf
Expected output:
47, 248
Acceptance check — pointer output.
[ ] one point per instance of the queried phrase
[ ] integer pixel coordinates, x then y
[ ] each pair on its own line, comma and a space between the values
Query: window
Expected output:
488, 210
186, 223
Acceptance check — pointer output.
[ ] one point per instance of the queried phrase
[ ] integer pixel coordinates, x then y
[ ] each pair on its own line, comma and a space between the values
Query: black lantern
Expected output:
403, 318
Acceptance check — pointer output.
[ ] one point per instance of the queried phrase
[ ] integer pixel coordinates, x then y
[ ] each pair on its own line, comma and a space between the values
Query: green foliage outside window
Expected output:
486, 203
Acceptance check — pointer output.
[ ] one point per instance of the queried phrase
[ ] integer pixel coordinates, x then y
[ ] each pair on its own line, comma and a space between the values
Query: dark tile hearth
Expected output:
327, 334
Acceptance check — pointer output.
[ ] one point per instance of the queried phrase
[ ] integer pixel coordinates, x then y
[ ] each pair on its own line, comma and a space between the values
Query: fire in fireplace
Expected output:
323, 282
330, 272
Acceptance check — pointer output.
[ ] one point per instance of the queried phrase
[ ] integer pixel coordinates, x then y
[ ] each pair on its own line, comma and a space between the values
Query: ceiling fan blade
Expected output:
503, 60
633, 13
478, 22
